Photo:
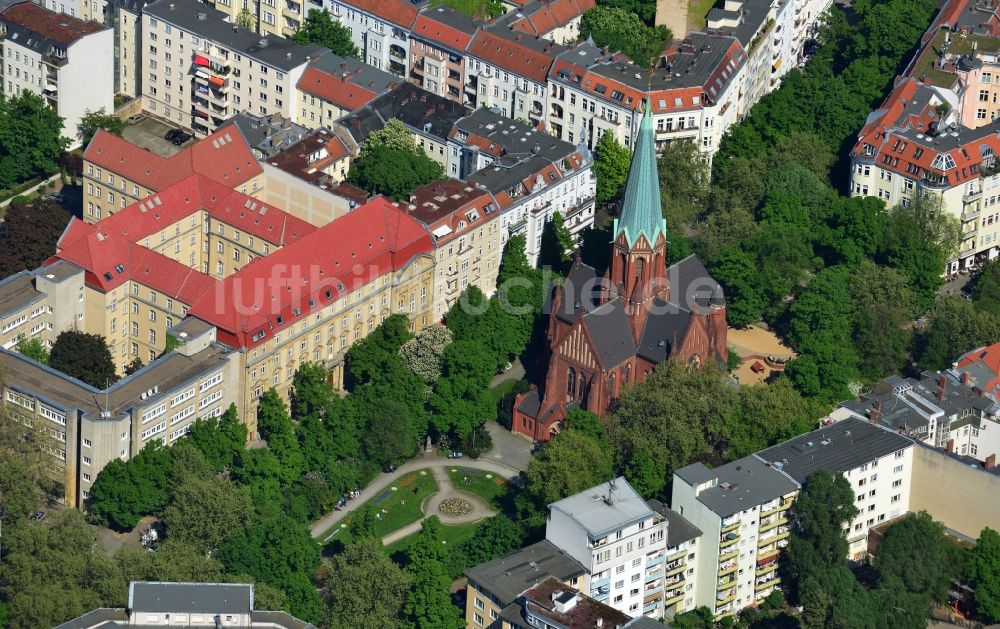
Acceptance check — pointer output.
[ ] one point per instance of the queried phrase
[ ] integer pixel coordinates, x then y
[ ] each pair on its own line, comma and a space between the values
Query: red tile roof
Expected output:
223, 156
434, 31
990, 357
109, 261
398, 12
59, 27
274, 292
197, 192
511, 55
552, 15
338, 90
449, 203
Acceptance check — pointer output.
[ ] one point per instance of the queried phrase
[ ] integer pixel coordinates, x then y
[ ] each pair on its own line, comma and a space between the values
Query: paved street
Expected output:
513, 453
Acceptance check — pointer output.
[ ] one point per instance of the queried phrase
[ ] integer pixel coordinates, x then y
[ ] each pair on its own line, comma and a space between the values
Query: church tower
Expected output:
638, 272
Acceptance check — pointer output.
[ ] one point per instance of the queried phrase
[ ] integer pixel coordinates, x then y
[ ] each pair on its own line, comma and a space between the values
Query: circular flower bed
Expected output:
455, 507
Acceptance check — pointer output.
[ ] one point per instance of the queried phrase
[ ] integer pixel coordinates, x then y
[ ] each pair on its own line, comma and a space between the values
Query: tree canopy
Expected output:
31, 138
621, 29
93, 120
611, 163
29, 233
390, 163
85, 357
320, 28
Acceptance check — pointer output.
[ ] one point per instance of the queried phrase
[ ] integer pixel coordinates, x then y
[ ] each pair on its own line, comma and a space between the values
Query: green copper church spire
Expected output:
641, 213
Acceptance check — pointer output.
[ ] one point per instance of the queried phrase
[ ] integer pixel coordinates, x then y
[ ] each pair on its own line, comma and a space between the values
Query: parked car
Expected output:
135, 119
38, 516
173, 133
389, 469
181, 138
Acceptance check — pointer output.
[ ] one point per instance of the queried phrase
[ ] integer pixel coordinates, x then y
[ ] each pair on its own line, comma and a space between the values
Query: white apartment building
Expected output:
679, 561
694, 95
67, 61
509, 70
379, 28
619, 540
740, 509
199, 70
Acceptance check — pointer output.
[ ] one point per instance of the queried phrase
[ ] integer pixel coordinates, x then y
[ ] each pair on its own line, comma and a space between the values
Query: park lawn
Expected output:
451, 534
698, 13
489, 489
412, 489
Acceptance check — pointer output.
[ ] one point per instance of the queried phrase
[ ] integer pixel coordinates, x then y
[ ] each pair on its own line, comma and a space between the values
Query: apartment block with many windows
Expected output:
199, 70
680, 560
619, 540
63, 59
332, 87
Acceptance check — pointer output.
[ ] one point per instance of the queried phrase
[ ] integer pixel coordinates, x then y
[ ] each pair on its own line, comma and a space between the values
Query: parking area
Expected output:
148, 133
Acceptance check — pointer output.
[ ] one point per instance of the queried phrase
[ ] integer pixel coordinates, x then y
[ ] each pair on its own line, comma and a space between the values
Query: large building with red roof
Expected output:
117, 173
332, 87
65, 60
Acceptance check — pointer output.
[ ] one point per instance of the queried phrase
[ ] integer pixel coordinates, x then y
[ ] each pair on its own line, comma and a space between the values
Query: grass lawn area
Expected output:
698, 13
503, 389
395, 508
451, 534
489, 489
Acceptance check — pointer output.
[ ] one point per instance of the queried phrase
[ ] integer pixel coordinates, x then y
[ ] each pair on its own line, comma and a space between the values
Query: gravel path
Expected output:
480, 510
438, 467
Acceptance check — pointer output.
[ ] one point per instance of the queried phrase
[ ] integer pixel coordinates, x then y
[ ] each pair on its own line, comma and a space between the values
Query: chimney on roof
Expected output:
876, 412
991, 462
939, 394
950, 446
965, 377
942, 382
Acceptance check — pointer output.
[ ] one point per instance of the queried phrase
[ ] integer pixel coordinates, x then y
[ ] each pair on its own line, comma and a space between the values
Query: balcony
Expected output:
728, 568
652, 576
678, 568
765, 583
731, 554
766, 553
767, 568
731, 526
655, 560
971, 197
971, 215
930, 180
673, 596
728, 539
781, 534
724, 598
725, 583
773, 522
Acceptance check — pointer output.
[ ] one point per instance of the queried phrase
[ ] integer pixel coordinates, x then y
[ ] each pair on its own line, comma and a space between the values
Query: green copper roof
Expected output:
641, 213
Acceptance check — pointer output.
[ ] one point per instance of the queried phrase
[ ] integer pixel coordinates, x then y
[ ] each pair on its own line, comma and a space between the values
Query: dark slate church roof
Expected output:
691, 287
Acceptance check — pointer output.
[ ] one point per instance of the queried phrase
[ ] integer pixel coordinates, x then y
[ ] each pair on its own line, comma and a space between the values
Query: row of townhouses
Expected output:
936, 135
721, 541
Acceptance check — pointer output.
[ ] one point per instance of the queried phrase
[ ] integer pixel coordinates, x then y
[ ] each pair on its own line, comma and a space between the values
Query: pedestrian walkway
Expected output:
480, 510
427, 460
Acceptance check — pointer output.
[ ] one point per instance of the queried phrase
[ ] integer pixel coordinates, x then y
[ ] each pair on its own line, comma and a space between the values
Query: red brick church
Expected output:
607, 333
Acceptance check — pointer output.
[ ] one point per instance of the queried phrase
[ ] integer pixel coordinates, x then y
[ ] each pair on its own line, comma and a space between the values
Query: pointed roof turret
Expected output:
641, 213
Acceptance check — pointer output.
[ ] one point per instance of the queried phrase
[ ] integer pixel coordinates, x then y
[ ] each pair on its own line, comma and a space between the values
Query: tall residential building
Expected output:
693, 94
619, 540
65, 60
437, 51
188, 604
680, 560
199, 70
740, 507
913, 145
379, 28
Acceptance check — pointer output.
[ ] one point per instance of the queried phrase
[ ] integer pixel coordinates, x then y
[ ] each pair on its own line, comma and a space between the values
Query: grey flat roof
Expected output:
506, 577
277, 52
842, 446
742, 484
599, 516
191, 598
62, 391
17, 291
101, 617
679, 529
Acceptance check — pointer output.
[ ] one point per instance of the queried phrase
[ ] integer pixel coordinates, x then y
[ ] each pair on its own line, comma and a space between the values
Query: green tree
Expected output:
53, 571
684, 183
496, 536
172, 561
281, 553
29, 233
364, 525
619, 29
365, 589
394, 173
30, 138
320, 28
220, 441
428, 604
422, 354
205, 512
884, 308
367, 361
246, 19
986, 288
461, 400
32, 348
389, 436
93, 120
611, 163
913, 553
956, 326
124, 491
986, 574
394, 135
569, 463
587, 423
85, 357
557, 244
